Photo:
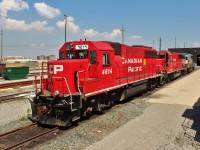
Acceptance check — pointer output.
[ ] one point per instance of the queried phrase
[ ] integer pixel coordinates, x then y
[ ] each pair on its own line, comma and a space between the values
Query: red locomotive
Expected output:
173, 64
89, 76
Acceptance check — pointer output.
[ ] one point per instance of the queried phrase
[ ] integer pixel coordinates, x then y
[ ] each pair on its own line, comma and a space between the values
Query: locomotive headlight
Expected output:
56, 93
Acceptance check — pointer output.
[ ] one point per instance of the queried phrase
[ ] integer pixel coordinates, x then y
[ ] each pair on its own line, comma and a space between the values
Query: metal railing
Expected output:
70, 94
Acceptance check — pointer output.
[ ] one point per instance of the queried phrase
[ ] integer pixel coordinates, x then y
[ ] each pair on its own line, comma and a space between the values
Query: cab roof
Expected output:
102, 46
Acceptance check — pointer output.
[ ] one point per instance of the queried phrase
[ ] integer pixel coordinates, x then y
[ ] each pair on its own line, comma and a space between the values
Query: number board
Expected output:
81, 47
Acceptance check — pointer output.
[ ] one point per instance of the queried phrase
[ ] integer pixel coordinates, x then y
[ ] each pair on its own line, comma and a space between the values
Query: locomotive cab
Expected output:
188, 61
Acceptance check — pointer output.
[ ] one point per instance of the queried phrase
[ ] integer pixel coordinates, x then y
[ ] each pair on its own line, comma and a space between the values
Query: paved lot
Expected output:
160, 127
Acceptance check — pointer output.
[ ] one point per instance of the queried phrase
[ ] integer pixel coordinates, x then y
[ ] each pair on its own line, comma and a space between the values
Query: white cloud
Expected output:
33, 45
135, 37
92, 33
40, 26
71, 26
11, 24
115, 33
74, 28
12, 5
42, 45
195, 44
46, 11
20, 25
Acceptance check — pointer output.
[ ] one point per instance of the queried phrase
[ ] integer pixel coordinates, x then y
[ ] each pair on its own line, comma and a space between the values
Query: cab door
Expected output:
93, 65
107, 71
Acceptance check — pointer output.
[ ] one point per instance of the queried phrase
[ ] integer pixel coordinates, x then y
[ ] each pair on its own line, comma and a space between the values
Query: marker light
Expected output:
56, 93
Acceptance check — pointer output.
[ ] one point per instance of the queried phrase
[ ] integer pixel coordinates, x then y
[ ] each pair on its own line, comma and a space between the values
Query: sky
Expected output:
36, 27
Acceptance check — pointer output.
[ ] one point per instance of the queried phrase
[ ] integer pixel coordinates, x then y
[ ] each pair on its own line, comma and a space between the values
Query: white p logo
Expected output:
54, 69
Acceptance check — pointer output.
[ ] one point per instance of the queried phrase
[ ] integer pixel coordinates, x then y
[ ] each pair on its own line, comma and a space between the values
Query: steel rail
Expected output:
24, 142
17, 96
15, 84
17, 130
34, 138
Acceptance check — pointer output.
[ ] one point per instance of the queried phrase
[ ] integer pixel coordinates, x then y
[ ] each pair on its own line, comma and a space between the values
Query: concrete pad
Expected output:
154, 128
14, 110
184, 91
161, 123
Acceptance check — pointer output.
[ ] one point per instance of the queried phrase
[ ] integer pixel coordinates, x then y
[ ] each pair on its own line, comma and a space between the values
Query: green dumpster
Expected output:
14, 73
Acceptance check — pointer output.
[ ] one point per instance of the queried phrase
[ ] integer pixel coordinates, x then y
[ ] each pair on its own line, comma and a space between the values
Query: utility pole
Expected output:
122, 30
65, 27
1, 46
175, 42
160, 43
184, 44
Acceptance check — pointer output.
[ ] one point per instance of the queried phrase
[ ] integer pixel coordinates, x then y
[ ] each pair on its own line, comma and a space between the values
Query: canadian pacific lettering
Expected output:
132, 61
134, 69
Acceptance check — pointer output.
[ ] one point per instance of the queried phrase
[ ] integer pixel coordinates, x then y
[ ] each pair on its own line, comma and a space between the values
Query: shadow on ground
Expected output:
191, 124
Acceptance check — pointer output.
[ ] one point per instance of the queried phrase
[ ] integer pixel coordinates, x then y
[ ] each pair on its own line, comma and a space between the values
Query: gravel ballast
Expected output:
92, 130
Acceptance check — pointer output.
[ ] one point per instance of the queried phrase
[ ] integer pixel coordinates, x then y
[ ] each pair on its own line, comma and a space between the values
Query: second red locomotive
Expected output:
89, 76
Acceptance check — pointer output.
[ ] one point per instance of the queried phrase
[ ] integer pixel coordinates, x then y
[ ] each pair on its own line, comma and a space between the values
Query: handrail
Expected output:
36, 88
78, 86
42, 77
78, 80
70, 94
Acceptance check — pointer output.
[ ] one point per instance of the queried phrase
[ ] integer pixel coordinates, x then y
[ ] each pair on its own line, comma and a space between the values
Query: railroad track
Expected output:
9, 97
25, 136
17, 84
36, 74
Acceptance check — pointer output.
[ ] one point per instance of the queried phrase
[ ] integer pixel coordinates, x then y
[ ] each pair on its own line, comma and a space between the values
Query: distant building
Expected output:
194, 51
44, 57
7, 58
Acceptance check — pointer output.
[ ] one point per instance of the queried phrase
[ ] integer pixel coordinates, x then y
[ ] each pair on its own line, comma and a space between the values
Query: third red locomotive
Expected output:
90, 75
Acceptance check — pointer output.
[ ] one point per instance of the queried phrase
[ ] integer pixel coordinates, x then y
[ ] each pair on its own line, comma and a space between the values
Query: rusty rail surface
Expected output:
36, 74
21, 137
17, 84
14, 96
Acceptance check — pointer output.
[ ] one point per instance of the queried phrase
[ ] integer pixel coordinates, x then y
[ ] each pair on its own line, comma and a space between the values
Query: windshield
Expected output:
77, 55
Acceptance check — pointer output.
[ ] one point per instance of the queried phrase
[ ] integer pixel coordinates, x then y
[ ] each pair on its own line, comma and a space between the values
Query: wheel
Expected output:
149, 85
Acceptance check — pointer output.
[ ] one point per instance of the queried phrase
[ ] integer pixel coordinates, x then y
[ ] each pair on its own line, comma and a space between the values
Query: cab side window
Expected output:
93, 57
150, 54
106, 59
62, 55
